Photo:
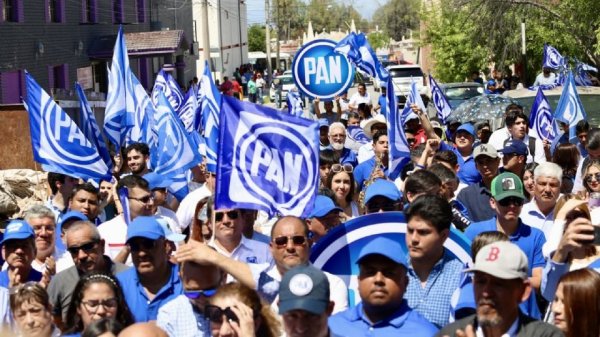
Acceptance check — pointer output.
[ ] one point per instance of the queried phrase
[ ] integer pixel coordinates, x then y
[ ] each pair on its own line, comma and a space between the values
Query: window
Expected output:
58, 76
118, 13
12, 87
55, 11
141, 10
11, 11
88, 11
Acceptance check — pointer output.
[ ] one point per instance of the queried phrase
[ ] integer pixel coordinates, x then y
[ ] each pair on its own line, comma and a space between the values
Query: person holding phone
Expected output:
578, 245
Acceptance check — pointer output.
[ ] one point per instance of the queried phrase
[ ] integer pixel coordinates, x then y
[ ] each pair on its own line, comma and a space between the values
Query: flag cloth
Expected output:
581, 75
119, 98
552, 58
57, 143
442, 106
176, 153
124, 198
210, 106
294, 104
541, 123
179, 186
569, 109
187, 112
90, 127
267, 160
359, 52
140, 130
357, 134
413, 98
399, 151
167, 84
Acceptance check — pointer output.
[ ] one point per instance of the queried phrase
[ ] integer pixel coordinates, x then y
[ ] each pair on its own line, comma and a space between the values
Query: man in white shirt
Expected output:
539, 212
546, 77
41, 219
362, 96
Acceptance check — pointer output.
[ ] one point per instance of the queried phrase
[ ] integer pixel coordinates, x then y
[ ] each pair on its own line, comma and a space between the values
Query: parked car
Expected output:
402, 78
287, 83
456, 93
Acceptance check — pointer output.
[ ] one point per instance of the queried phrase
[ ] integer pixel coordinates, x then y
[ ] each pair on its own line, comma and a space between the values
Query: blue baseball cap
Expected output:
304, 288
145, 227
169, 234
382, 187
323, 206
71, 216
323, 122
386, 247
156, 180
17, 230
515, 146
467, 127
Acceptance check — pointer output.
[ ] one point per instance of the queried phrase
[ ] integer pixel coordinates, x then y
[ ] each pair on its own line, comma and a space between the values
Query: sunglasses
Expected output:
86, 247
588, 178
511, 201
337, 168
216, 314
194, 294
385, 206
141, 244
232, 215
297, 240
143, 200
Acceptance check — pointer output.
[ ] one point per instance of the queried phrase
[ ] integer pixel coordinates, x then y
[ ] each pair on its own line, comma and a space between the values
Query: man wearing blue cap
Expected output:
514, 157
19, 250
382, 196
324, 216
382, 281
464, 138
153, 281
158, 186
323, 134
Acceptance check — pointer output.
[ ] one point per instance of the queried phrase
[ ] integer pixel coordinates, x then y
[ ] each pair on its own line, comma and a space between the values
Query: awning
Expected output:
141, 44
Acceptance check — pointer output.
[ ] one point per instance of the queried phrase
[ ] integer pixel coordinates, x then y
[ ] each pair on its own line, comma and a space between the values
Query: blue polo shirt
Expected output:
142, 309
362, 172
530, 240
347, 157
467, 172
34, 276
404, 322
476, 198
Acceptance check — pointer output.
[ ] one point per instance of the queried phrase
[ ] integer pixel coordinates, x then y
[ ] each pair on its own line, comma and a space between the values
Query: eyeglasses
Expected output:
23, 287
297, 240
337, 168
216, 314
588, 178
511, 201
338, 135
232, 215
94, 305
194, 294
38, 229
144, 200
141, 244
382, 206
86, 247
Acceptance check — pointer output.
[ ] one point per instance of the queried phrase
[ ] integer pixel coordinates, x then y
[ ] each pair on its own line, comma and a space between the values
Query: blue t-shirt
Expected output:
34, 276
363, 171
382, 101
476, 198
467, 172
142, 309
404, 322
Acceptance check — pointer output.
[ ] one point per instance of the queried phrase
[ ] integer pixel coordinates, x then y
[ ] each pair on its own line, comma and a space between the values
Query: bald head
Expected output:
143, 330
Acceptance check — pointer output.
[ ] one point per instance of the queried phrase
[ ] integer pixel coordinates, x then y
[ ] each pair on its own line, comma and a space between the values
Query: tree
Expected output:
378, 40
398, 17
256, 38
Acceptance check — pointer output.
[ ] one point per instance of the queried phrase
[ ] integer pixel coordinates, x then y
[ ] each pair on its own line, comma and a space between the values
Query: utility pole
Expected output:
278, 35
268, 38
205, 35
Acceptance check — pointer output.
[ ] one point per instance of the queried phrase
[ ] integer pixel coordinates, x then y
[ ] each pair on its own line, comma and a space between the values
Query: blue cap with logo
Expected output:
323, 206
386, 247
156, 180
304, 288
467, 127
515, 146
323, 122
17, 230
145, 227
169, 234
384, 188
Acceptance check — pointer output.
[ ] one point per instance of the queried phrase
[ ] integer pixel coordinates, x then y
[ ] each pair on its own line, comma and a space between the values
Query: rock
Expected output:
21, 188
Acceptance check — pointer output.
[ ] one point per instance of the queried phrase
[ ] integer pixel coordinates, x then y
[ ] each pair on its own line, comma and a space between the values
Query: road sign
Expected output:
320, 72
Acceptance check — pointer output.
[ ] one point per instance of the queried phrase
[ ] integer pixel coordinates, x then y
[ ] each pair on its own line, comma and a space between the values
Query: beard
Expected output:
488, 317
337, 146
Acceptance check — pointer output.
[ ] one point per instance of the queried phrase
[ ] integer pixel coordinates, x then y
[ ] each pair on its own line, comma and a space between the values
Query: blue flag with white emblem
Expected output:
187, 112
176, 153
267, 160
210, 103
581, 75
90, 127
167, 84
569, 109
442, 106
541, 122
399, 151
57, 143
294, 104
358, 50
552, 58
119, 98
357, 134
142, 116
179, 186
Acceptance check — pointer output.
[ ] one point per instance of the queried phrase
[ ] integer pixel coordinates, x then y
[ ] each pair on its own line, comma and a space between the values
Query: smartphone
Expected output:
594, 200
596, 235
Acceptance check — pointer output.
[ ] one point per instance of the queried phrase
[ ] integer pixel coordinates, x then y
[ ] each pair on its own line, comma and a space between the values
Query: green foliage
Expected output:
256, 38
378, 40
398, 17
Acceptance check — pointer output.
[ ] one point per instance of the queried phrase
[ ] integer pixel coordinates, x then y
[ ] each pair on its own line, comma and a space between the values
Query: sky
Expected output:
256, 9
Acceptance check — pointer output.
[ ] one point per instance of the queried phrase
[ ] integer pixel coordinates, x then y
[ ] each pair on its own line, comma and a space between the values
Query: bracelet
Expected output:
420, 166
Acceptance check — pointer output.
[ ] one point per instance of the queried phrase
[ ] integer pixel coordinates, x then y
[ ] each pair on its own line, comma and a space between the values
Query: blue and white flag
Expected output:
357, 134
581, 75
541, 122
295, 104
358, 50
119, 98
142, 117
90, 127
124, 199
167, 84
552, 58
210, 106
569, 109
179, 186
175, 152
413, 97
442, 106
267, 160
187, 112
399, 151
57, 143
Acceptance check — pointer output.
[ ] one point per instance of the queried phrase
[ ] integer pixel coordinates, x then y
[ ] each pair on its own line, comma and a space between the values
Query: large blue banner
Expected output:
267, 160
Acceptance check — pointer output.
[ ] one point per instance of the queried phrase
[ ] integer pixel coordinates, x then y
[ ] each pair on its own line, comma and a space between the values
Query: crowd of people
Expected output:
76, 266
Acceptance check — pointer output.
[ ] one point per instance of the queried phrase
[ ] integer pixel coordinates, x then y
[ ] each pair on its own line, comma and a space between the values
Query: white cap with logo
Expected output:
503, 260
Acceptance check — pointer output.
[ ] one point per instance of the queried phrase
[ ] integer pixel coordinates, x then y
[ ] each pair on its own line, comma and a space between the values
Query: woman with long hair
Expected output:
236, 310
567, 157
96, 296
341, 181
576, 306
591, 176
528, 180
